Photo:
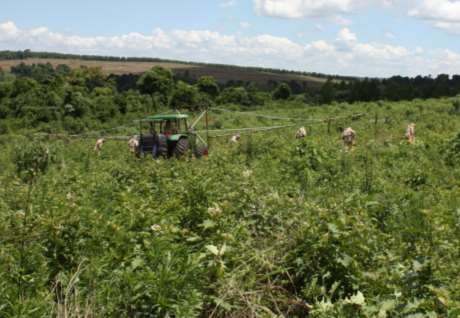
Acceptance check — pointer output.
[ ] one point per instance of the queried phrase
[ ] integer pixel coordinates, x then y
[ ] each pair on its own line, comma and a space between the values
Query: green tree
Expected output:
235, 95
156, 81
208, 85
31, 159
105, 107
327, 92
24, 85
256, 96
6, 88
95, 78
76, 104
63, 69
185, 96
283, 91
441, 87
133, 102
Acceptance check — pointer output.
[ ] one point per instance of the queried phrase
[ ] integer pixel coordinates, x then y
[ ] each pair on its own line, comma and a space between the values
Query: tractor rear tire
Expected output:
181, 148
162, 146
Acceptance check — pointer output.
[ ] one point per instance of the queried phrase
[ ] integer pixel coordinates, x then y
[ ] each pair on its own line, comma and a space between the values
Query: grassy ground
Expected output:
269, 227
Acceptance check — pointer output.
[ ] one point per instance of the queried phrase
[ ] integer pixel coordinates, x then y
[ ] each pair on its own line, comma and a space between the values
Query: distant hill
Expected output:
264, 77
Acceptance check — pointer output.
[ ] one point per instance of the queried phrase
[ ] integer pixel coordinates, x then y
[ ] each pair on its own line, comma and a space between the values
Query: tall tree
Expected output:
157, 81
283, 91
184, 96
327, 92
208, 85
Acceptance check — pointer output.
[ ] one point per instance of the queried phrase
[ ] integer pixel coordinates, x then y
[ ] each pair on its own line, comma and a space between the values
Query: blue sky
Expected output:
349, 37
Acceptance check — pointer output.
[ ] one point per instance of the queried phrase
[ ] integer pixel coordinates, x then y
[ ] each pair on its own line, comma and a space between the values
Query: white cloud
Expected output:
245, 25
347, 55
388, 3
294, 9
319, 27
227, 3
380, 52
320, 46
451, 27
344, 55
197, 45
439, 10
340, 20
271, 45
444, 14
346, 36
446, 62
8, 30
390, 35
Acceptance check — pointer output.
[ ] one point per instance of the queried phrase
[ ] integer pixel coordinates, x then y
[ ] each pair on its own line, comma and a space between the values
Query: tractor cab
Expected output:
173, 126
165, 136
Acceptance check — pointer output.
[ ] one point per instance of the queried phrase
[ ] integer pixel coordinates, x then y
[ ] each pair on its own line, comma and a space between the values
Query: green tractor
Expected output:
169, 136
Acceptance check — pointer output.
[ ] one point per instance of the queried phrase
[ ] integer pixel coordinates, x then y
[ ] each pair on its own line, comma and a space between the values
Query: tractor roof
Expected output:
164, 117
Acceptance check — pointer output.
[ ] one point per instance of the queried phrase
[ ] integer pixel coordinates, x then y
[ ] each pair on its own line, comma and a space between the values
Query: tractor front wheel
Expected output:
181, 148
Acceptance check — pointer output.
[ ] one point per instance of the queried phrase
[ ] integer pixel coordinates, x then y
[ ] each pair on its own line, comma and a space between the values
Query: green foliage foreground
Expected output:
269, 227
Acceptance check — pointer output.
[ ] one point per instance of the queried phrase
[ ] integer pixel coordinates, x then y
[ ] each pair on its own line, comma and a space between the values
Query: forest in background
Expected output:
50, 98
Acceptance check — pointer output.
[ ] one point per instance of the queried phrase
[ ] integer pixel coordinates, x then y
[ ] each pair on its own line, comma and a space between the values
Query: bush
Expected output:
185, 97
234, 95
452, 151
209, 86
31, 159
283, 92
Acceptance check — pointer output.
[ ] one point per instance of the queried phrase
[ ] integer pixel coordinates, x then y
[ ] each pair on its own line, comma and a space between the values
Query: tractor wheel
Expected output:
162, 144
200, 151
181, 147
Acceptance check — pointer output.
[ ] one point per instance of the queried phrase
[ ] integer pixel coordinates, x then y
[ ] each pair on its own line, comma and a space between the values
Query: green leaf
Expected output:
345, 260
213, 249
193, 238
332, 227
417, 266
137, 262
386, 307
208, 224
221, 303
357, 299
223, 249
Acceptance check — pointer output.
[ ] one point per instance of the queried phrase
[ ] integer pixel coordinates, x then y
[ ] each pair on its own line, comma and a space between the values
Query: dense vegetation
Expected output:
336, 88
395, 88
57, 99
269, 227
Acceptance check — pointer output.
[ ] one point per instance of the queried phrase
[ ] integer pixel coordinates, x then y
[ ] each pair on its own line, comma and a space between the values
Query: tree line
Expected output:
395, 88
47, 97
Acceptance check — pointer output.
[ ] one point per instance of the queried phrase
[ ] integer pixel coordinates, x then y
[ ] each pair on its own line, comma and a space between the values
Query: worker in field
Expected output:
133, 144
348, 137
235, 138
410, 133
301, 133
98, 145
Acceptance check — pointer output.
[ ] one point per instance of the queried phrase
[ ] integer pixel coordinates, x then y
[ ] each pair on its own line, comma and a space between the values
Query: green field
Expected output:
269, 227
